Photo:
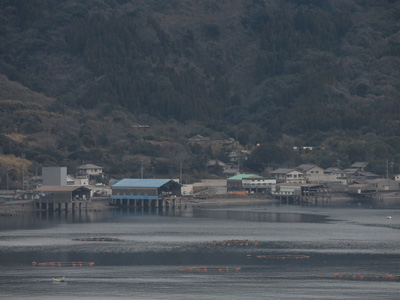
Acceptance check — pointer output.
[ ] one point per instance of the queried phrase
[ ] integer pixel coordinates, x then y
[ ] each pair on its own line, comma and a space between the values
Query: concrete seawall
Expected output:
97, 203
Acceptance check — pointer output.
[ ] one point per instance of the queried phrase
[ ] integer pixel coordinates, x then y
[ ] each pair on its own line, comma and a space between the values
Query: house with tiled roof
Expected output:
89, 170
310, 169
288, 175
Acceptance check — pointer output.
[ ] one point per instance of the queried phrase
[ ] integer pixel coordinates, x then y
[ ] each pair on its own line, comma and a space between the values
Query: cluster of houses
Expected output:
284, 182
56, 188
85, 175
58, 191
310, 179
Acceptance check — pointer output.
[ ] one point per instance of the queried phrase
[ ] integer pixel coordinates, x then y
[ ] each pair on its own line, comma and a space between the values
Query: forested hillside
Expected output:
76, 75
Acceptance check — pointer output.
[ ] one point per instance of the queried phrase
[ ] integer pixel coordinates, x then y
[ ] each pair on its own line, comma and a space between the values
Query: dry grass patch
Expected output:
16, 137
11, 161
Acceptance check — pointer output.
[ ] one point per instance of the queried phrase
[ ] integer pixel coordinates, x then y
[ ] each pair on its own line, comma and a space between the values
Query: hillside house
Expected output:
226, 142
89, 170
77, 181
198, 139
288, 176
228, 169
333, 175
359, 166
310, 170
335, 171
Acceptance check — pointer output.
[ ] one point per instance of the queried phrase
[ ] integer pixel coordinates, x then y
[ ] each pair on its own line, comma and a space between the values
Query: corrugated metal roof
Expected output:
241, 176
144, 183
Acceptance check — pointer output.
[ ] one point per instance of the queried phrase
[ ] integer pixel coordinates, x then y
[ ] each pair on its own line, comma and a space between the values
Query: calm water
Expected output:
291, 252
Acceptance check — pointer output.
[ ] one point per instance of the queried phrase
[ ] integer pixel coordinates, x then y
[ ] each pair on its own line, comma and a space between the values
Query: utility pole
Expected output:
141, 170
387, 169
23, 170
180, 172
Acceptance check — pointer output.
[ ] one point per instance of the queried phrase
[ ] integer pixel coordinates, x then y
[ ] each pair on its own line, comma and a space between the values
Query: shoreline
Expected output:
218, 201
229, 201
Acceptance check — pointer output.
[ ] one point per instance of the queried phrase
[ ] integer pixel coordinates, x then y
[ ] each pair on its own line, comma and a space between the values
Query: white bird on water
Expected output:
389, 217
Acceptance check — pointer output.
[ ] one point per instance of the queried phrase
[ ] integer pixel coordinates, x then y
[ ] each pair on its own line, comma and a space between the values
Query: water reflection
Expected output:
259, 216
144, 262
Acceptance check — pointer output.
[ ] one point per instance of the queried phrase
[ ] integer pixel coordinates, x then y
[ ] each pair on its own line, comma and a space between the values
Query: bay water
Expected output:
263, 251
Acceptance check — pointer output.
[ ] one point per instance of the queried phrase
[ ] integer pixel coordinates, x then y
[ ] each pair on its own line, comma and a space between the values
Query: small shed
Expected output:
54, 197
385, 184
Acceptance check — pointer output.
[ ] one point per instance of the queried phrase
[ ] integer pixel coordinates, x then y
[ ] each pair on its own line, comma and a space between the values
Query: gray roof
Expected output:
298, 184
198, 138
333, 170
359, 164
306, 167
59, 188
369, 174
89, 166
378, 180
213, 162
282, 171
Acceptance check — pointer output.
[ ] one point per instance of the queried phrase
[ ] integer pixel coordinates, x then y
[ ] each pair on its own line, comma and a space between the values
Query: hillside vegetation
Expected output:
76, 76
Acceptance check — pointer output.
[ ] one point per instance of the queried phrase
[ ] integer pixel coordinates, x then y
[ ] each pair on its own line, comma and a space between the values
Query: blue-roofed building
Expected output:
145, 192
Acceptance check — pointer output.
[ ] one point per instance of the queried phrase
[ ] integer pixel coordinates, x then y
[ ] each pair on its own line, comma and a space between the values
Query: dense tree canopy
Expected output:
77, 75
